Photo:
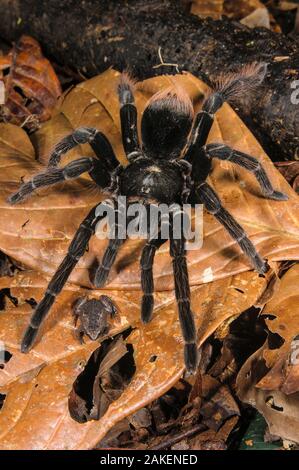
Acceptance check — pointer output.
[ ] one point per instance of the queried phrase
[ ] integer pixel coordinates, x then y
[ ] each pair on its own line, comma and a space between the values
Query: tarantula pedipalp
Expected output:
170, 165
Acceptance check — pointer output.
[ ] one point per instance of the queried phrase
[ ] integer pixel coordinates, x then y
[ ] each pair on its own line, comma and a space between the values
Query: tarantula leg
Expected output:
97, 140
100, 275
223, 152
53, 176
228, 86
182, 293
128, 118
209, 198
147, 280
75, 252
202, 125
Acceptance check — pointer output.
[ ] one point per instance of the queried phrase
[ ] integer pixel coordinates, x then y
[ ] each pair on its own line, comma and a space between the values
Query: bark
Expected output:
91, 35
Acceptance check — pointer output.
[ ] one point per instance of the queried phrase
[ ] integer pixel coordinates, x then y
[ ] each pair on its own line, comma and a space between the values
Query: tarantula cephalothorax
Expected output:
169, 166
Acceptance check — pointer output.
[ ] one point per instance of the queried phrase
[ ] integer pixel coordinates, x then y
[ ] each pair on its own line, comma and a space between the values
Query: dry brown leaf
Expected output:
290, 170
58, 338
269, 380
281, 411
41, 228
31, 85
35, 412
213, 440
286, 5
219, 404
212, 8
37, 233
283, 361
252, 13
259, 18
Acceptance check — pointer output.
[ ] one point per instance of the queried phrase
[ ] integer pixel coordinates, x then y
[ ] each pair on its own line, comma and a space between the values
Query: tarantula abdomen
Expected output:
166, 123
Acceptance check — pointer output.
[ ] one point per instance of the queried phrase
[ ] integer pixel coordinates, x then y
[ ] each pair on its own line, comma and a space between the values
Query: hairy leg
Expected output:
97, 140
147, 280
75, 252
228, 86
207, 196
53, 176
182, 293
223, 152
100, 275
128, 117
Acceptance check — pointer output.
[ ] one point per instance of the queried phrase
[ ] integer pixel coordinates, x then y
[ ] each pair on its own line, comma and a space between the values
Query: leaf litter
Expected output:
45, 405
31, 87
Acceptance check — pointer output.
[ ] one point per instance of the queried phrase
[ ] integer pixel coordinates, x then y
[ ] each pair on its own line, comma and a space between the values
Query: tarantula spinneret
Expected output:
170, 165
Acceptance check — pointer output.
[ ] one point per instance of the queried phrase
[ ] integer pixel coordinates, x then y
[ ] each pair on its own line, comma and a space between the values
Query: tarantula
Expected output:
171, 165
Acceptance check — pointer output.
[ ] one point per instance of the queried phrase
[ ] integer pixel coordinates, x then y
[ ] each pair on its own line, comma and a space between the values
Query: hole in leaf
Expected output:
5, 294
275, 341
269, 317
107, 373
31, 302
6, 266
2, 399
153, 358
5, 356
247, 334
239, 290
270, 402
19, 90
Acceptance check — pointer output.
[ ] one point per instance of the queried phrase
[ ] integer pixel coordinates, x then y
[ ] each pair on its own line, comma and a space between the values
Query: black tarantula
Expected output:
170, 166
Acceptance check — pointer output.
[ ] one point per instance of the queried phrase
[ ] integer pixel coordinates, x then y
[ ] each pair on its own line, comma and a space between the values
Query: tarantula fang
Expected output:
169, 165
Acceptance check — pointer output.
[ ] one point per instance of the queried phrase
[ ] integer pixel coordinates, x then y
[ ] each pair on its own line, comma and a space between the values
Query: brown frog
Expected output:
93, 315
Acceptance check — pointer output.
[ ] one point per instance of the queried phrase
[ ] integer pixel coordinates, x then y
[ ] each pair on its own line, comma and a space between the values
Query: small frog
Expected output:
93, 315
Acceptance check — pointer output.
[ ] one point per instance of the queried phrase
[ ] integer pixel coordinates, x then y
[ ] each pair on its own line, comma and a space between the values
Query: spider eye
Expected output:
165, 124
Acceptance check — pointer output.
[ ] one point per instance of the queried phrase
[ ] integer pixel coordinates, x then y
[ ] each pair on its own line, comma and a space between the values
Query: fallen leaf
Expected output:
286, 5
296, 27
252, 13
290, 170
37, 236
259, 18
208, 8
283, 361
40, 232
58, 338
269, 380
87, 404
218, 403
281, 411
38, 384
31, 85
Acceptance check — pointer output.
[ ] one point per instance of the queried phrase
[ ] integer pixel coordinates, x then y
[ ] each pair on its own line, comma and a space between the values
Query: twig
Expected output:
178, 437
166, 64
